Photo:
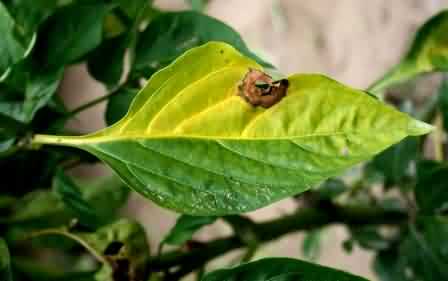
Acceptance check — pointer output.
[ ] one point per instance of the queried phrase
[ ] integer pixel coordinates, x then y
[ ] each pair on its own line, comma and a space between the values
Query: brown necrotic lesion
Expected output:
259, 89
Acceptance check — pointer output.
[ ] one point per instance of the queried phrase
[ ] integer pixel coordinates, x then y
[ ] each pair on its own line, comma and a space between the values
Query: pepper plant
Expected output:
201, 125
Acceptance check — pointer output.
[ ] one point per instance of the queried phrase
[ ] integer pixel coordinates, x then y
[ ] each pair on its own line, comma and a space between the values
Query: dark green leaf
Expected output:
5, 263
311, 246
443, 101
133, 8
10, 127
388, 267
182, 31
424, 252
432, 185
331, 188
13, 47
106, 63
29, 14
393, 163
40, 88
280, 269
107, 195
71, 32
185, 227
369, 238
67, 190
118, 105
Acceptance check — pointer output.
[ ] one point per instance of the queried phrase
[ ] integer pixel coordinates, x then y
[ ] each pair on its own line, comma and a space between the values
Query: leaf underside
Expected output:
191, 143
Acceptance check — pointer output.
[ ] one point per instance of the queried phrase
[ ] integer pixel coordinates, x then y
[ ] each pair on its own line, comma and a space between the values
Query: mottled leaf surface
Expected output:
281, 269
191, 143
428, 53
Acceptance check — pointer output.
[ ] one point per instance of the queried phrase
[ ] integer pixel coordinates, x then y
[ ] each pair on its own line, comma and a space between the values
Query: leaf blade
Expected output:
231, 157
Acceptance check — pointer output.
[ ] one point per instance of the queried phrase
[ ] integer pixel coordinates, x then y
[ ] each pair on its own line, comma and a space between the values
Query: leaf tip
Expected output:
417, 127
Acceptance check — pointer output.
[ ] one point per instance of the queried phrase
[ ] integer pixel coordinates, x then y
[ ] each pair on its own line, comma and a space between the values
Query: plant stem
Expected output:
305, 219
92, 103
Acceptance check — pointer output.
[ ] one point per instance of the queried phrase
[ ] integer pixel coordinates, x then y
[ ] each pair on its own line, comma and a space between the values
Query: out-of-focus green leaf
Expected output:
121, 247
432, 185
42, 85
388, 266
424, 251
118, 105
182, 31
9, 127
185, 227
443, 101
71, 32
29, 14
393, 163
13, 44
198, 5
331, 188
204, 152
106, 64
280, 269
39, 209
106, 194
369, 238
67, 190
5, 262
133, 8
428, 53
311, 246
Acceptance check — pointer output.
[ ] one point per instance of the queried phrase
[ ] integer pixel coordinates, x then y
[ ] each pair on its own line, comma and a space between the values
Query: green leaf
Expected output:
185, 227
428, 53
369, 238
106, 64
280, 269
121, 247
106, 194
331, 188
5, 263
198, 5
71, 32
311, 244
13, 47
39, 209
40, 88
424, 250
118, 105
388, 266
443, 101
67, 190
182, 31
393, 163
191, 143
431, 188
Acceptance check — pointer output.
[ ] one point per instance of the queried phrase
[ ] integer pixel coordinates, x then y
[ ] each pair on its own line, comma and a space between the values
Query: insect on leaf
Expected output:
190, 142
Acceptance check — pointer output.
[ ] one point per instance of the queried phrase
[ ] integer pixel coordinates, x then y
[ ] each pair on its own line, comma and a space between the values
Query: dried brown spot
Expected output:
258, 89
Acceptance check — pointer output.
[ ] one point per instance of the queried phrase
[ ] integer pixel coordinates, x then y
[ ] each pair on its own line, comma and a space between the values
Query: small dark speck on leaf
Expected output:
258, 89
221, 52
